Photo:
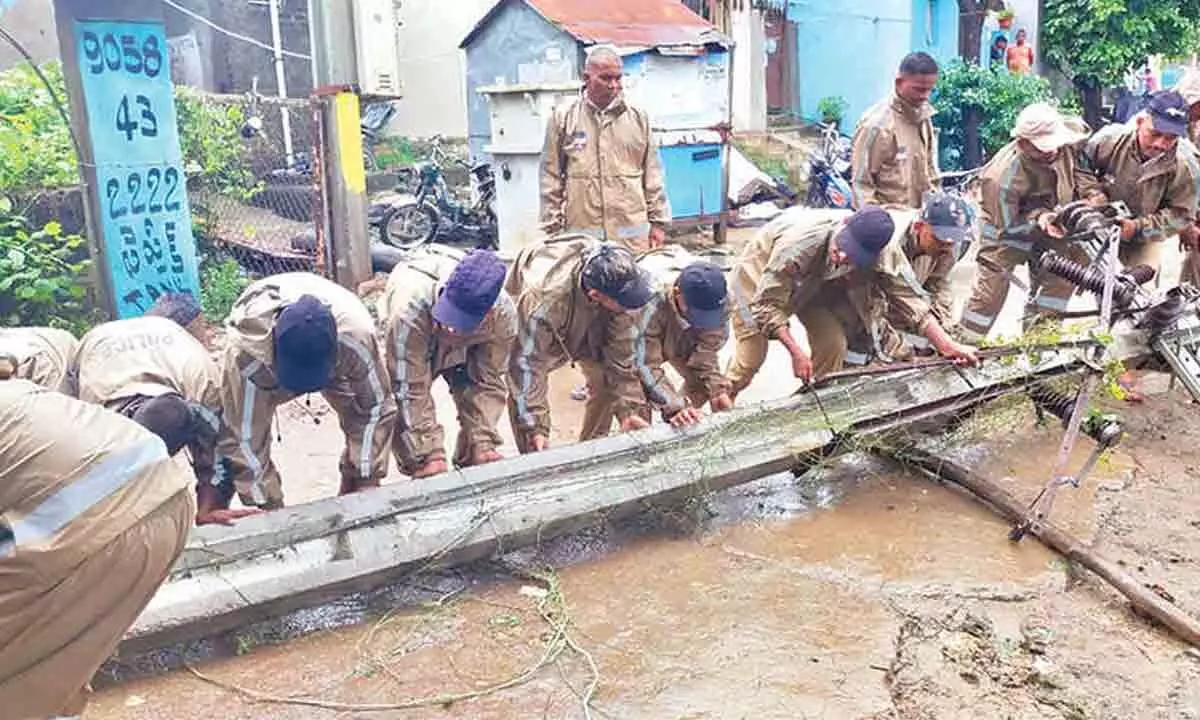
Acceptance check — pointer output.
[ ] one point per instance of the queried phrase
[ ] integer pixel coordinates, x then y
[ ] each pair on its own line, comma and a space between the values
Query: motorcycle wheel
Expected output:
409, 226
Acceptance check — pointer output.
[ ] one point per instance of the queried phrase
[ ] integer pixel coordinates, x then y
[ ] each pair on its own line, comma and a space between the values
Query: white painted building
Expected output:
432, 68
747, 29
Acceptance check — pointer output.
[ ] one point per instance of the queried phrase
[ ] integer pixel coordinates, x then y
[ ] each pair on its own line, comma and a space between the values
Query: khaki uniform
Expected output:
601, 175
930, 273
1016, 191
560, 325
119, 362
43, 355
92, 516
1189, 88
357, 388
1161, 192
474, 366
893, 158
785, 270
665, 336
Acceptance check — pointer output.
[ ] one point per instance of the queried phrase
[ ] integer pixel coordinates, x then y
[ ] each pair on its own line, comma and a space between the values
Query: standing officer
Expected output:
893, 156
600, 170
1142, 165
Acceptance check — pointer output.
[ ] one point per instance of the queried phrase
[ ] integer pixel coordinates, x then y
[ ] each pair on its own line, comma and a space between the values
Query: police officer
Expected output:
446, 315
575, 300
290, 335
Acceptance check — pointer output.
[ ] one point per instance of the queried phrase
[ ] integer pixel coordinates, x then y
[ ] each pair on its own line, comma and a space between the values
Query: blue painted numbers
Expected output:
130, 103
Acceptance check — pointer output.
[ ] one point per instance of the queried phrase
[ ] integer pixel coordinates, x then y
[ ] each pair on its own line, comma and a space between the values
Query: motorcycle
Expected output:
434, 215
829, 171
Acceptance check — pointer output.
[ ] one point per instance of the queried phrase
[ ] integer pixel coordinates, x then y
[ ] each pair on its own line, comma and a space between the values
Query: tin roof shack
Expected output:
677, 67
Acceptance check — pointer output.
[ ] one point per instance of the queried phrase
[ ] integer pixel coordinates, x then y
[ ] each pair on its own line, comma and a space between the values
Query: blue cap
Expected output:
305, 345
470, 291
1168, 113
865, 235
704, 291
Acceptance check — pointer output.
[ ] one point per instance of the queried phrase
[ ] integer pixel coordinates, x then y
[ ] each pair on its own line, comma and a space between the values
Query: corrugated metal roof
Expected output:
624, 23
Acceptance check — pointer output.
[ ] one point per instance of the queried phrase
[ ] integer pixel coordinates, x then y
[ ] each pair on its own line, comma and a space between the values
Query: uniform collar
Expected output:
614, 108
910, 112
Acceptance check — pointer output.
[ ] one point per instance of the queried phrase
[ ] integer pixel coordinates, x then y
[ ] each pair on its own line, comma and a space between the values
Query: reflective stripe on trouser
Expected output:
598, 418
598, 413
57, 633
1049, 293
1191, 268
70, 501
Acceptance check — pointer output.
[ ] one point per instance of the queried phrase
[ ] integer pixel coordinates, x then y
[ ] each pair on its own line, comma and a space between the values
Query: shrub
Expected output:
998, 96
41, 279
832, 109
221, 282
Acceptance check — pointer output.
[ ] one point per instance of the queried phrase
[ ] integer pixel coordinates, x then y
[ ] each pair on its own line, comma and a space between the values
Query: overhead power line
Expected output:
236, 36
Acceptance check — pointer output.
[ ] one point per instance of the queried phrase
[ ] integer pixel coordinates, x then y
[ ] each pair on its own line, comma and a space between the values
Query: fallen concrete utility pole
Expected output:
1144, 601
270, 565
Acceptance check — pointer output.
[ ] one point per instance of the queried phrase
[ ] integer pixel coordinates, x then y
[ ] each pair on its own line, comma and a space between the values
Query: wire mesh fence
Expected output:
261, 214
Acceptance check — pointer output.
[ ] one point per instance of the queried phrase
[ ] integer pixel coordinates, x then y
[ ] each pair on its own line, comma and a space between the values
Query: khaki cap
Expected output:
1042, 125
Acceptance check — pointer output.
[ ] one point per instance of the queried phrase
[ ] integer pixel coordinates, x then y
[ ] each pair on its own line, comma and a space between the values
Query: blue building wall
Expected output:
851, 48
935, 28
516, 36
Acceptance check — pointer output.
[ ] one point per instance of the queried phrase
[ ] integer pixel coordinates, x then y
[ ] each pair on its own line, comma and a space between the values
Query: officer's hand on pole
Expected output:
721, 403
802, 366
1128, 229
1049, 225
433, 466
685, 417
963, 354
657, 237
634, 422
224, 517
483, 457
539, 442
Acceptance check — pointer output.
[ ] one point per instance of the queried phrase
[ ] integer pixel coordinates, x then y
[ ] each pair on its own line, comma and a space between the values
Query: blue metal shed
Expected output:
677, 68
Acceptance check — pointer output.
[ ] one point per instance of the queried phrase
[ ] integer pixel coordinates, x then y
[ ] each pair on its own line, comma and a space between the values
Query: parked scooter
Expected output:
829, 171
434, 215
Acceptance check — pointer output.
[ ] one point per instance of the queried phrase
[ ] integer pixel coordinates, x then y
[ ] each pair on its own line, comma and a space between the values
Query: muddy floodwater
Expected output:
859, 592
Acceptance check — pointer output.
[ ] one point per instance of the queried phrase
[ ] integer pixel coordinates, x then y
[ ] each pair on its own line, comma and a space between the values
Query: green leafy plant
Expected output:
832, 109
214, 153
221, 282
1095, 42
35, 146
993, 98
41, 277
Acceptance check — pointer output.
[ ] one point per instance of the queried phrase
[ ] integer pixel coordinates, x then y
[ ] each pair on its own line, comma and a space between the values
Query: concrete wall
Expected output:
935, 28
222, 64
852, 48
849, 49
517, 46
749, 70
31, 22
432, 68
